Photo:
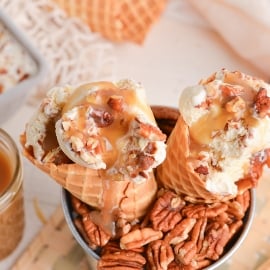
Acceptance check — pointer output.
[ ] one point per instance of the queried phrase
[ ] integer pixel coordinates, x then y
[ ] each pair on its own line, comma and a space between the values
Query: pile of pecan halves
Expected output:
174, 235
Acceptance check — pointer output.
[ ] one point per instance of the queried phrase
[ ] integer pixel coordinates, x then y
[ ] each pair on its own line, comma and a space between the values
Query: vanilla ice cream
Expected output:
104, 126
228, 120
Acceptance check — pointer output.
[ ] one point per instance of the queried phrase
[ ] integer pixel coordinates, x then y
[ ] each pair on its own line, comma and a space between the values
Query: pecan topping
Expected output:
102, 118
199, 234
149, 131
235, 105
159, 255
80, 207
216, 237
231, 90
151, 148
121, 260
139, 237
185, 252
244, 200
144, 161
180, 232
262, 103
202, 170
165, 213
137, 162
95, 234
116, 103
204, 210
235, 227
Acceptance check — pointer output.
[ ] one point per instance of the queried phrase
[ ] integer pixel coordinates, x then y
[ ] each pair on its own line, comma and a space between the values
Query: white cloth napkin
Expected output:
243, 24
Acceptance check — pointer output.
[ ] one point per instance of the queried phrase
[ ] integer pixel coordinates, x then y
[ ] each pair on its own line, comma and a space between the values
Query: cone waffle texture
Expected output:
176, 172
121, 20
89, 186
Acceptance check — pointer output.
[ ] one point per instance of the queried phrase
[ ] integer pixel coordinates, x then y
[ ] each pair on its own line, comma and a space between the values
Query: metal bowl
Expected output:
93, 256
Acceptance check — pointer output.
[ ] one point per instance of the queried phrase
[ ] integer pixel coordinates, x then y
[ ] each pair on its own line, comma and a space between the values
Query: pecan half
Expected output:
235, 227
185, 252
80, 207
121, 260
244, 200
192, 266
165, 213
95, 234
216, 237
159, 255
180, 232
204, 210
235, 210
139, 237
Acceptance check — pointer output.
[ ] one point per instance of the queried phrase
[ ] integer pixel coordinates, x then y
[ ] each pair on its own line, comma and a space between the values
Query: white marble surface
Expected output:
180, 50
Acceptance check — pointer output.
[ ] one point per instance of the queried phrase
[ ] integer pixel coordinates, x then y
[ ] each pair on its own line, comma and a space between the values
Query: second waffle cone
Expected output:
177, 174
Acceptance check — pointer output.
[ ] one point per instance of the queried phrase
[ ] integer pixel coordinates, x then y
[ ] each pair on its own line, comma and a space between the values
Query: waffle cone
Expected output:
89, 186
177, 173
125, 20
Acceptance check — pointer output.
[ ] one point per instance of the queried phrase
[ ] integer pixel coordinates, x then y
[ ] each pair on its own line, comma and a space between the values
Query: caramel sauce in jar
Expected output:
11, 196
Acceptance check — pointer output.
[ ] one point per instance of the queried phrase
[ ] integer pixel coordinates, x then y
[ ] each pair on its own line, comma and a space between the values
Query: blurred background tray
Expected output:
14, 97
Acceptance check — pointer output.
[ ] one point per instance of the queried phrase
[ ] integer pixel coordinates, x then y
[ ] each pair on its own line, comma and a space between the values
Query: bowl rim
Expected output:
66, 206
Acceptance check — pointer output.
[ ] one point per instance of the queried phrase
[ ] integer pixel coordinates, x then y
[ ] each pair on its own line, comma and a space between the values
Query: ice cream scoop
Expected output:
221, 140
110, 126
99, 141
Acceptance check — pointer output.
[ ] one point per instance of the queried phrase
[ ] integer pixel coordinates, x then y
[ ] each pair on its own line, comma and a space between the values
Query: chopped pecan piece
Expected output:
159, 255
165, 213
185, 252
262, 103
149, 131
229, 90
122, 260
139, 237
137, 162
201, 170
144, 161
95, 234
150, 148
102, 118
235, 105
180, 232
116, 103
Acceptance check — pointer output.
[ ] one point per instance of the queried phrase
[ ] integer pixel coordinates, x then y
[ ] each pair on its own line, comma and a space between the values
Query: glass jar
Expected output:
11, 195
